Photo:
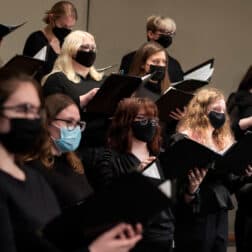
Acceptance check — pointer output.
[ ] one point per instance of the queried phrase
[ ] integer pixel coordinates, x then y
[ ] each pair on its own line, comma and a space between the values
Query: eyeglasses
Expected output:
143, 120
166, 33
71, 125
88, 48
25, 108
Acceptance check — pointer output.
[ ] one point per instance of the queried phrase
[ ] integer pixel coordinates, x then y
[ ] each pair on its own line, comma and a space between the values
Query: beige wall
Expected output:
213, 28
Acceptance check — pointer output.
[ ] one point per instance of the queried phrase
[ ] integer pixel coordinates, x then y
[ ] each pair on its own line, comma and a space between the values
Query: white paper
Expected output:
152, 171
41, 54
166, 188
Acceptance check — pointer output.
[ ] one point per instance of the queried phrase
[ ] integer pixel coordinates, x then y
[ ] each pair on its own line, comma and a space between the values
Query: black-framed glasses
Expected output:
166, 33
24, 108
71, 125
88, 48
144, 120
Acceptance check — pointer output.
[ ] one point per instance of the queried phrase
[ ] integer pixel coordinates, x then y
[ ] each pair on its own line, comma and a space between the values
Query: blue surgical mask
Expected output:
69, 139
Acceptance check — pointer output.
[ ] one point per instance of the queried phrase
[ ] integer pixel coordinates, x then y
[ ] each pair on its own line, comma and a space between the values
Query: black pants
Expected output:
153, 247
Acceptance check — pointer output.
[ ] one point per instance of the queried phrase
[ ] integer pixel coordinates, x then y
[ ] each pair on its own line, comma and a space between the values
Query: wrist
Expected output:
192, 193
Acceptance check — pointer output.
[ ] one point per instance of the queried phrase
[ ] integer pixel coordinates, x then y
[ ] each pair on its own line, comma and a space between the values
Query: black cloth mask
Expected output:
84, 58
164, 40
61, 33
23, 135
159, 72
144, 132
216, 119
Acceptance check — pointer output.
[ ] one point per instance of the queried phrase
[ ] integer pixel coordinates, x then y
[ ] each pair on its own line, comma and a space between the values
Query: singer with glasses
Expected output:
58, 161
134, 142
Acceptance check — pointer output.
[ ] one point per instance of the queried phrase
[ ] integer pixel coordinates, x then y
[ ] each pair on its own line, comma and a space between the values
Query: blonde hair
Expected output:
63, 63
155, 23
59, 9
196, 118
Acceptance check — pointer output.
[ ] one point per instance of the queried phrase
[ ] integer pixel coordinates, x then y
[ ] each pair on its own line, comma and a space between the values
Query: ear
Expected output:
150, 35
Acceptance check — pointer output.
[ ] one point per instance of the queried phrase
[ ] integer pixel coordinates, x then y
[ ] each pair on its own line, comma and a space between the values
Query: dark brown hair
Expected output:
59, 9
120, 133
140, 58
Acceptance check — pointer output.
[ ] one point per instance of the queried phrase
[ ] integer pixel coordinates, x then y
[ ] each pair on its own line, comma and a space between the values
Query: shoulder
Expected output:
57, 78
172, 60
129, 55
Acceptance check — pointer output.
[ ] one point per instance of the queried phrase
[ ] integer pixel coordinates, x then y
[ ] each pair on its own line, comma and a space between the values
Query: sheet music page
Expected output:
203, 73
152, 171
41, 54
166, 188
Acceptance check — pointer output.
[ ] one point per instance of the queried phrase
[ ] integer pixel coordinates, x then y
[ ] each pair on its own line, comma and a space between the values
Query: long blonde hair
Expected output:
196, 119
69, 49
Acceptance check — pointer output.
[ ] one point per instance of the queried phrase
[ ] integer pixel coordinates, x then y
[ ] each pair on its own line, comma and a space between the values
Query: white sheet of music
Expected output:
152, 171
204, 73
166, 188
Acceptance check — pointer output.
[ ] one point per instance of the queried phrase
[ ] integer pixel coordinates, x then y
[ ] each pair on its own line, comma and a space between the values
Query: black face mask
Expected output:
164, 40
61, 33
216, 119
84, 58
145, 132
23, 135
159, 72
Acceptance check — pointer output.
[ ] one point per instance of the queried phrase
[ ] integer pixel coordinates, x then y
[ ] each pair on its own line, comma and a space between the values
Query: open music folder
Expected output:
24, 64
131, 198
185, 154
7, 29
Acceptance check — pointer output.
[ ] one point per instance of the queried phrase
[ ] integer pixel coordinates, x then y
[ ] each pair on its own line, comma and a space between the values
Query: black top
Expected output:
35, 42
174, 68
239, 105
25, 207
111, 166
69, 186
59, 83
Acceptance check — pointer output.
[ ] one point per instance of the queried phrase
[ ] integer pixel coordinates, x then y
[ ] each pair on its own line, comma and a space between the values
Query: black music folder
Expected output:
6, 29
172, 99
115, 88
131, 198
185, 154
190, 85
24, 64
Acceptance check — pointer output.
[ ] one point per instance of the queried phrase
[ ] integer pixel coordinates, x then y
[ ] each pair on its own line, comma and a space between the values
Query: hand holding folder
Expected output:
132, 199
185, 154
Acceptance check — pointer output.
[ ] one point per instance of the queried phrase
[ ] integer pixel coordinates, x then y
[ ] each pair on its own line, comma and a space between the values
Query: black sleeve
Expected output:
103, 172
7, 241
54, 84
34, 43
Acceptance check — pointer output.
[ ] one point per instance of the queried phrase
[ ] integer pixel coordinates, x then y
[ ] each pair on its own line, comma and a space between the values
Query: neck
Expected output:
140, 149
7, 165
49, 33
81, 70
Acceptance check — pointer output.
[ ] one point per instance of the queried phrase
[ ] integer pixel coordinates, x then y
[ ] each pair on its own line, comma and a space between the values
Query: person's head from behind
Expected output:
149, 58
207, 111
20, 112
246, 83
63, 122
135, 119
61, 17
160, 29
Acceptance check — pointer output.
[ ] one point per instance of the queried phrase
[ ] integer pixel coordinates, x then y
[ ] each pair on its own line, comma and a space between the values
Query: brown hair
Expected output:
54, 104
120, 132
60, 9
140, 58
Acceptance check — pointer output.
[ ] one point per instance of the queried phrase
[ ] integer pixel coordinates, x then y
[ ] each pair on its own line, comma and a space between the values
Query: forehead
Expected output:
157, 55
71, 112
25, 93
88, 40
67, 21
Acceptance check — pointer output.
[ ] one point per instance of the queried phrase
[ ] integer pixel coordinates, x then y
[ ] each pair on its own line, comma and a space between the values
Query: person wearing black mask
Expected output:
204, 196
74, 75
162, 30
59, 20
134, 141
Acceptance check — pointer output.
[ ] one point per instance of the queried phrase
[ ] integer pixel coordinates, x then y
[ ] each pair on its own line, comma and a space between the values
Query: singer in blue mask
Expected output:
59, 162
